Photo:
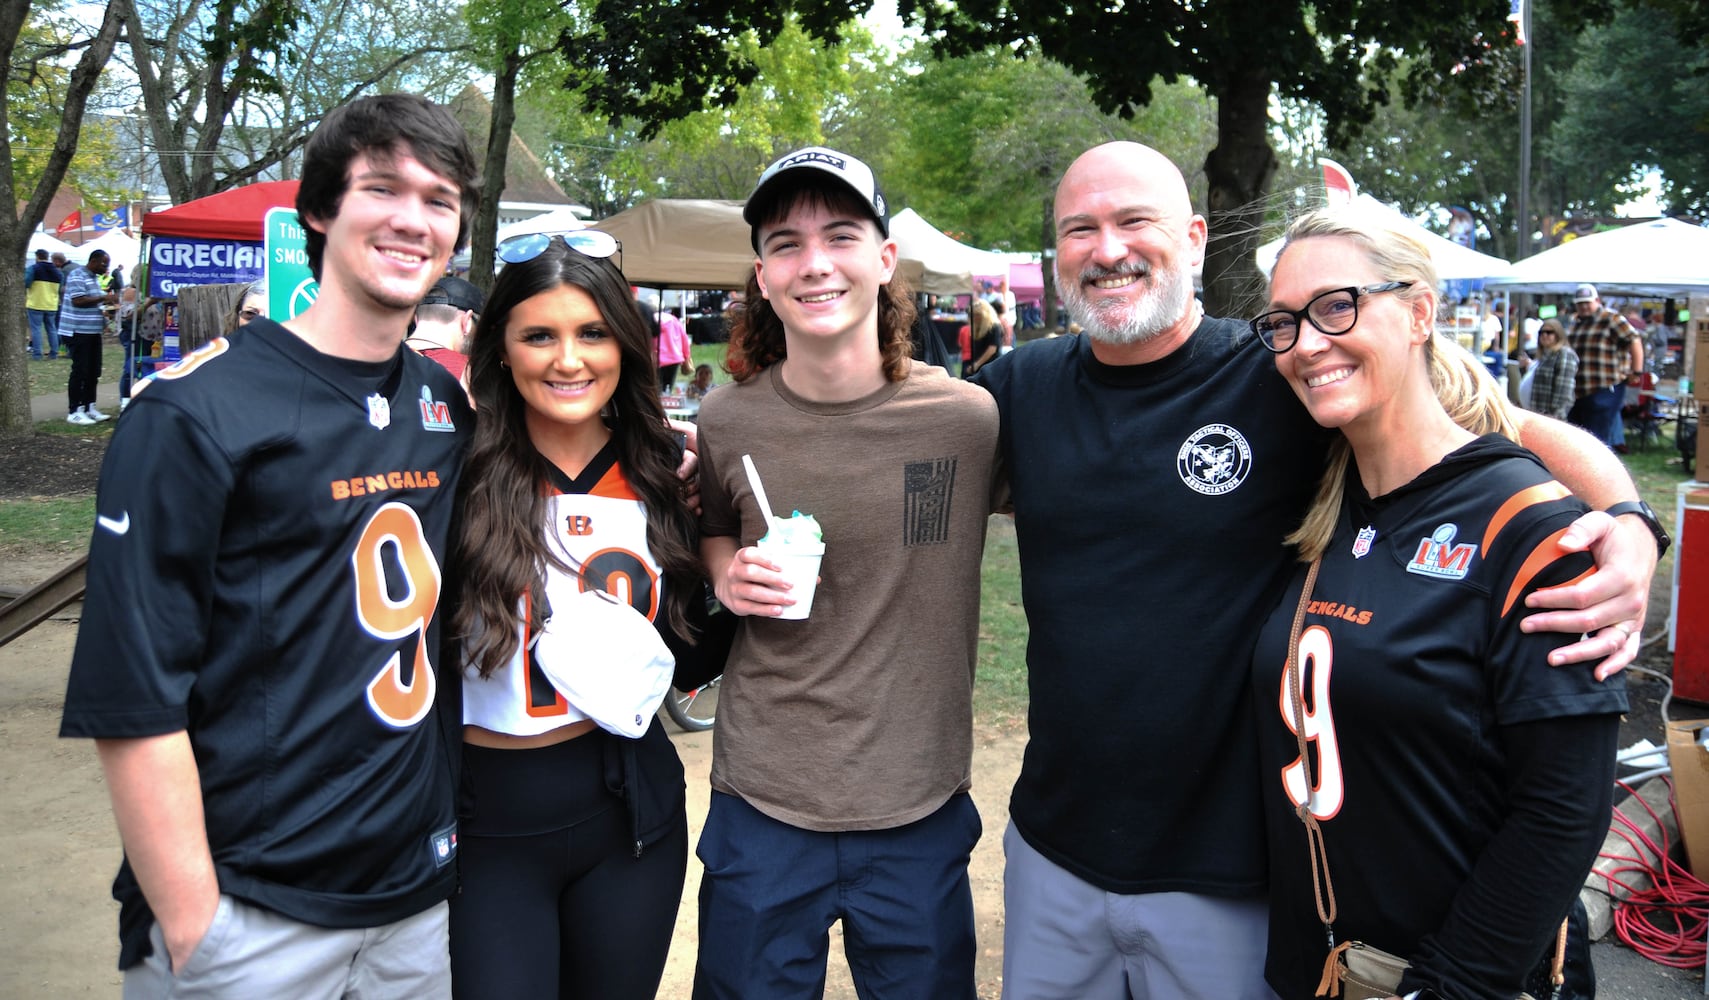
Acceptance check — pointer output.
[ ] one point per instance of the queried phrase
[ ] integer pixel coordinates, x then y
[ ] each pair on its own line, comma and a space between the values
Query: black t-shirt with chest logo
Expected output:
1150, 505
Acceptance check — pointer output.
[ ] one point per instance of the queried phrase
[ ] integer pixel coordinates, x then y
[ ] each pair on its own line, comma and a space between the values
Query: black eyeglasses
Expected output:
587, 242
1334, 312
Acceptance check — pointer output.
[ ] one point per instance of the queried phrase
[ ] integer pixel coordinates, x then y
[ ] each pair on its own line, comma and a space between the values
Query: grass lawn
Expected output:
51, 524
708, 354
59, 426
46, 524
1000, 683
49, 377
1658, 472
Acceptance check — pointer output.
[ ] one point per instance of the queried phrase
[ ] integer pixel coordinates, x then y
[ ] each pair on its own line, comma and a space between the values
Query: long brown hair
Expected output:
756, 335
502, 548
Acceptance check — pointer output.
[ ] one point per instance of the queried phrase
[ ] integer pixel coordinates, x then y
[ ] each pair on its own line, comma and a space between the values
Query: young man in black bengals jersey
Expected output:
258, 661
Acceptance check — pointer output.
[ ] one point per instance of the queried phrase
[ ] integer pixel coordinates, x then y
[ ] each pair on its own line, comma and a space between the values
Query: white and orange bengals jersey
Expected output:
599, 525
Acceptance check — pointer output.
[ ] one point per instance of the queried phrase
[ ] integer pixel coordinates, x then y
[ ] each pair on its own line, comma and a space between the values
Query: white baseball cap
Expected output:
850, 172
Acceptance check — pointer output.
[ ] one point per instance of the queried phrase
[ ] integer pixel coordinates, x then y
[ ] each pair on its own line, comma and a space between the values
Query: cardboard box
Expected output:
1690, 763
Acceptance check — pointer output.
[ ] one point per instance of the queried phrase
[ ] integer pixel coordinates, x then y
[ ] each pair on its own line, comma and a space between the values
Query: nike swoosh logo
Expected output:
117, 526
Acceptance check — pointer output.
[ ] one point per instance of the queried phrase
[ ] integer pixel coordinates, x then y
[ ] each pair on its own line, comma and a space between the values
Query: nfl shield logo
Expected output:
1362, 544
379, 411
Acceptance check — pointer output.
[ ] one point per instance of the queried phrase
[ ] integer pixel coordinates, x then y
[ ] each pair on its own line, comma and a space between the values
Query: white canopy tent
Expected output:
52, 244
558, 220
1453, 261
123, 249
948, 266
1662, 257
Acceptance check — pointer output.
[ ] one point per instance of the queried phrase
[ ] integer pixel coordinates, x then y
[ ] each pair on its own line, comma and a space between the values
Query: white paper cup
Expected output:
800, 566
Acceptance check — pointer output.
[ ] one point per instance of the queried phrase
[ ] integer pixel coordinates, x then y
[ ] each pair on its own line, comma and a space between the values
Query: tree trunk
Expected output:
1239, 171
15, 229
484, 238
14, 373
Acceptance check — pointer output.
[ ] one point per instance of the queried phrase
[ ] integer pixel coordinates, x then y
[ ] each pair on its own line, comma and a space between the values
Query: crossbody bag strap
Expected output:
1323, 889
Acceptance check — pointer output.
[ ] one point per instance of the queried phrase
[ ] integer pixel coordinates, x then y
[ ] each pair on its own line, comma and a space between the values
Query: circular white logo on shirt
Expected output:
1214, 459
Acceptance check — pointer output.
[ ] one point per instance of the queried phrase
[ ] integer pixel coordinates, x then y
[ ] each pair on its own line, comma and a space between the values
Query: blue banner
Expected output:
186, 260
112, 218
1462, 229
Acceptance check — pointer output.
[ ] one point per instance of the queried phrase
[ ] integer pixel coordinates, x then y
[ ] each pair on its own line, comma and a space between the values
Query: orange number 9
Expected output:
396, 528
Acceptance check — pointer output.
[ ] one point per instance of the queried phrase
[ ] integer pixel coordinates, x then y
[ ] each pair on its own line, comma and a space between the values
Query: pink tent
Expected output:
1026, 280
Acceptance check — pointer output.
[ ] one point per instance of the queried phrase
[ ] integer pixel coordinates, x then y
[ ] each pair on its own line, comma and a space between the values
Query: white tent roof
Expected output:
122, 249
1663, 257
1453, 261
559, 220
52, 244
949, 266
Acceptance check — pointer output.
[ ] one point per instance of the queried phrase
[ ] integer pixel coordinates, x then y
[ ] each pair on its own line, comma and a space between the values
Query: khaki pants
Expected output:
249, 953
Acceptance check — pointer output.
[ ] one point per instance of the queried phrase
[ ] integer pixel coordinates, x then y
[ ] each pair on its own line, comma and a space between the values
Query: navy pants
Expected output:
771, 892
1598, 411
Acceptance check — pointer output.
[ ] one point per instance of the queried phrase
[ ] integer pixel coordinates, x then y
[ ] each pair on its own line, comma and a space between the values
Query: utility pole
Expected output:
1524, 206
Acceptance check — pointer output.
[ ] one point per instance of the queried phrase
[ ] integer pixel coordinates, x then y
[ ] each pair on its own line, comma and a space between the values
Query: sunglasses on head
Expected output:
587, 242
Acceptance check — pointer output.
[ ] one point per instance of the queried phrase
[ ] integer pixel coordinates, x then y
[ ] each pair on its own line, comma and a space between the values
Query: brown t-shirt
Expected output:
861, 716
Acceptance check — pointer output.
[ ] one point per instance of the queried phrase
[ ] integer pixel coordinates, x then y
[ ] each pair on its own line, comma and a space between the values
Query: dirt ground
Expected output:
49, 465
59, 848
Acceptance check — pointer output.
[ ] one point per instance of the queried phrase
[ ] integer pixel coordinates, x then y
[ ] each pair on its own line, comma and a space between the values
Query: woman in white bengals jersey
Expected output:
1458, 783
573, 834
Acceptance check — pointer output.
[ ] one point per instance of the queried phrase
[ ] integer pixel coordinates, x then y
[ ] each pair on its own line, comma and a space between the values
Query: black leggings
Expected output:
559, 906
85, 351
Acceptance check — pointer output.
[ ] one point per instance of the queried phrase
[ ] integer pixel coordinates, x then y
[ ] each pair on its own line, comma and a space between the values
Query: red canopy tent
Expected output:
237, 214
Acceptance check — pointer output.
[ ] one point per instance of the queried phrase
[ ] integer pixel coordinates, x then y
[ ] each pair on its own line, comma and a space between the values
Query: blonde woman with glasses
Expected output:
1433, 786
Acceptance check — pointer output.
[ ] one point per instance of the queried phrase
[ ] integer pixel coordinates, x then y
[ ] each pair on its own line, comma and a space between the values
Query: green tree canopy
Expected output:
35, 95
1634, 95
1337, 56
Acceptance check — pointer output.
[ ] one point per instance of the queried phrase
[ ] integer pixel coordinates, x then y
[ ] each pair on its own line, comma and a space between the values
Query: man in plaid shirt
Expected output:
1608, 350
